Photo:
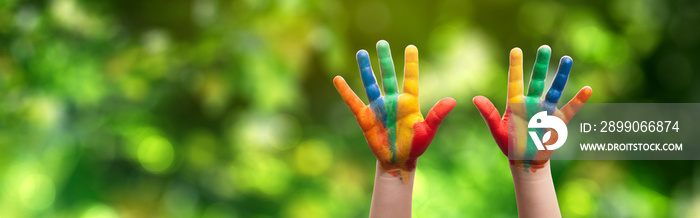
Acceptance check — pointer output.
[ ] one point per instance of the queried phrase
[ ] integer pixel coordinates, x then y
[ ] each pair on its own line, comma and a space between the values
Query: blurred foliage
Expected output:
215, 108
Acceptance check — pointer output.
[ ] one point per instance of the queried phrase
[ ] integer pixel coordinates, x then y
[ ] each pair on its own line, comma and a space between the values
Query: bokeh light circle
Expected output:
156, 154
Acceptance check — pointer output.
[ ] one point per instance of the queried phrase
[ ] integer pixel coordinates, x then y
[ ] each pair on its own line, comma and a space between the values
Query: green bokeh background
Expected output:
215, 108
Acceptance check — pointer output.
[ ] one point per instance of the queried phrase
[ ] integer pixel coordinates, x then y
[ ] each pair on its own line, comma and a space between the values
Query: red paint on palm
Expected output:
425, 131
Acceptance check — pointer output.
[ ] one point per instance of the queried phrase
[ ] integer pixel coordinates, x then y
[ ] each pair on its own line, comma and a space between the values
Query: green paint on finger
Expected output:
386, 65
539, 71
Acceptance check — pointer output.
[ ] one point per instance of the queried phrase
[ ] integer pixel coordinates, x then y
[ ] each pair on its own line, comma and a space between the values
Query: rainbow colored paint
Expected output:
392, 123
510, 131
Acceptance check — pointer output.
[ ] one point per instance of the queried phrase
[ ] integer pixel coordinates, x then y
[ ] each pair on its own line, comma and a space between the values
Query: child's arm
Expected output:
394, 127
529, 166
391, 197
534, 193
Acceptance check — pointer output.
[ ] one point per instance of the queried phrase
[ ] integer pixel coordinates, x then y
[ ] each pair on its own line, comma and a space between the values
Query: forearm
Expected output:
391, 197
534, 192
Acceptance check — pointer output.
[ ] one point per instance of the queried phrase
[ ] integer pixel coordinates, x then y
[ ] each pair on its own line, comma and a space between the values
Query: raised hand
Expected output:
510, 132
392, 123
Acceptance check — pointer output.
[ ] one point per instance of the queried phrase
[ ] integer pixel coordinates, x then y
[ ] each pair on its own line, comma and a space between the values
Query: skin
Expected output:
394, 127
530, 167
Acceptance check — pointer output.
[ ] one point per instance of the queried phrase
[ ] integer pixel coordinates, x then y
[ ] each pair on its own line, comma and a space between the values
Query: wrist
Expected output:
534, 192
543, 174
392, 195
393, 175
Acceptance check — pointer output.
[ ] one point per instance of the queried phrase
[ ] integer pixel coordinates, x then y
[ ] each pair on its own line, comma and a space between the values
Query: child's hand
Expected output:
392, 123
515, 139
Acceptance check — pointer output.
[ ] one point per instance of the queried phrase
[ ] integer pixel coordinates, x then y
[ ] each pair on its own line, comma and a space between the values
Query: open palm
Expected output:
392, 123
510, 132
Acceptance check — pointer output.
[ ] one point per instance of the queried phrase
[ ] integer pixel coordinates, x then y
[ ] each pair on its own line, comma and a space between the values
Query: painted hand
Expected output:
510, 132
392, 123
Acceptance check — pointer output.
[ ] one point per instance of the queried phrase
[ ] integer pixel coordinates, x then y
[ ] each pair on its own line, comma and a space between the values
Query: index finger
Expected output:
410, 71
515, 76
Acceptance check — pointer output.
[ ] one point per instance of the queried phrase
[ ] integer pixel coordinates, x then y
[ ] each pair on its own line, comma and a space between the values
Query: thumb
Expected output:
439, 112
425, 131
492, 119
488, 112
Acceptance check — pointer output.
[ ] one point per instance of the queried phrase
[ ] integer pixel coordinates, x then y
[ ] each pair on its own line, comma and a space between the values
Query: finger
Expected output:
539, 71
439, 112
493, 121
488, 112
367, 75
515, 76
410, 71
571, 108
559, 81
348, 95
386, 66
